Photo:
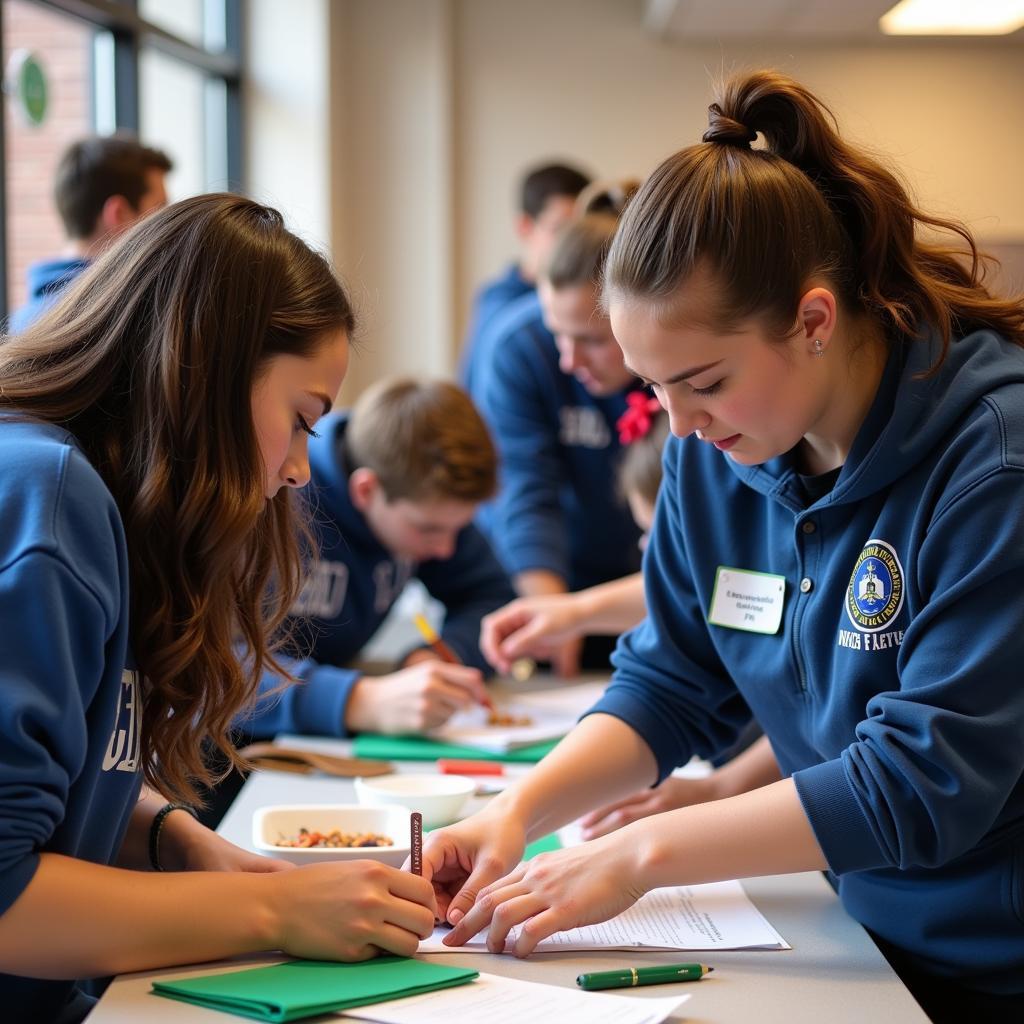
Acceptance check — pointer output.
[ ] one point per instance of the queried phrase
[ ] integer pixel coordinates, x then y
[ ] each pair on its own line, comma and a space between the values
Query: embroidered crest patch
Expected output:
875, 594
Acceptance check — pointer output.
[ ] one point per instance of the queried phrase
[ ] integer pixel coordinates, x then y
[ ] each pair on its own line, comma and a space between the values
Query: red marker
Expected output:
456, 766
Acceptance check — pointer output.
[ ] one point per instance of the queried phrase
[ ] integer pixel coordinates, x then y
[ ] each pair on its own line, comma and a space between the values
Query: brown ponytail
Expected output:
765, 221
579, 255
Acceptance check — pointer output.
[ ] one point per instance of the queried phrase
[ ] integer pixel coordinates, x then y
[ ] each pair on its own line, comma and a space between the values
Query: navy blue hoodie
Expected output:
559, 506
69, 717
892, 692
350, 592
46, 280
489, 301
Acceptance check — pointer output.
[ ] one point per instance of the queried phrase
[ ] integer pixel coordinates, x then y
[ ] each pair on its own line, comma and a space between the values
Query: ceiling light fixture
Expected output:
953, 18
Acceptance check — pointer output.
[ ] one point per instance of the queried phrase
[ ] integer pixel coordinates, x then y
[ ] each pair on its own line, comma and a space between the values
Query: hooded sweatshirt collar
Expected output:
911, 413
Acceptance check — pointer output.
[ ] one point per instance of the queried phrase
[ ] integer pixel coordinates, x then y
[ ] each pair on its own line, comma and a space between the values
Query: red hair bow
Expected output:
636, 421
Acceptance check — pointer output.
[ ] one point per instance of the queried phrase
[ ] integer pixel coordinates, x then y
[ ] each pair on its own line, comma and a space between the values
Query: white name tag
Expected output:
747, 600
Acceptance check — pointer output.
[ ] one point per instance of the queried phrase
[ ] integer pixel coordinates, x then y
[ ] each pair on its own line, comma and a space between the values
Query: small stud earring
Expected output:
819, 347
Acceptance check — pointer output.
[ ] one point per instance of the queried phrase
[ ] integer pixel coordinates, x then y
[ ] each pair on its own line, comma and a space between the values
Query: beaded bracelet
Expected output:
156, 827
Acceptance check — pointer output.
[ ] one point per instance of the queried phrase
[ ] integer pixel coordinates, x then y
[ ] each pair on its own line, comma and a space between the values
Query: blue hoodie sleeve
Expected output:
529, 527
479, 315
937, 757
488, 302
934, 759
669, 683
315, 705
52, 659
470, 585
63, 642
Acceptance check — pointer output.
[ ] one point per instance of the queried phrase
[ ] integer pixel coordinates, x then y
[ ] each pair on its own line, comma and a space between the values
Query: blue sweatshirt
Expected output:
350, 592
69, 718
46, 280
892, 690
490, 300
559, 506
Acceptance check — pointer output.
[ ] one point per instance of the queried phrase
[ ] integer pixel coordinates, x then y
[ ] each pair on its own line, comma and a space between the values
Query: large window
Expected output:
166, 70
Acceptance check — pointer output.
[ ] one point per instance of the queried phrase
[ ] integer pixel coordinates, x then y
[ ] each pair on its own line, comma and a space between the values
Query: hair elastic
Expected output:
727, 131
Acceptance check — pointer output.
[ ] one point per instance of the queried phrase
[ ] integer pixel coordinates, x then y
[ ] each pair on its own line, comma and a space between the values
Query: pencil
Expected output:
437, 645
441, 649
416, 842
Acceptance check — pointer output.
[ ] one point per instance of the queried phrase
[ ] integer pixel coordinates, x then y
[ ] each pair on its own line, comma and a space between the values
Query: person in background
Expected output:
102, 187
153, 429
396, 483
554, 387
546, 203
535, 627
837, 548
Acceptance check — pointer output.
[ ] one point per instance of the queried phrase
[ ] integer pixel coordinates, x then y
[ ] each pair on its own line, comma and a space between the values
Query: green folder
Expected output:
305, 988
419, 748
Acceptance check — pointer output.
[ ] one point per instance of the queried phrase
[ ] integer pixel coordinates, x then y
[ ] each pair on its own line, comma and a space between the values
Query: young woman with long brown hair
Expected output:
837, 546
153, 429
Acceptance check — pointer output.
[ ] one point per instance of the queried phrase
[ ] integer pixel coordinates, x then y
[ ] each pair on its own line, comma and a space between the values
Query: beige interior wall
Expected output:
580, 78
398, 257
287, 108
428, 110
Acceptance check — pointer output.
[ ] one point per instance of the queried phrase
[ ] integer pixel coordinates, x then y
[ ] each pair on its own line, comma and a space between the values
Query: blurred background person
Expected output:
547, 197
103, 186
552, 389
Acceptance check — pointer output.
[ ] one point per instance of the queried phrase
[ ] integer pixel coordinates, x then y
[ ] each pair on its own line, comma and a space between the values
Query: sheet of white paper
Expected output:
470, 729
569, 699
717, 915
552, 713
498, 1000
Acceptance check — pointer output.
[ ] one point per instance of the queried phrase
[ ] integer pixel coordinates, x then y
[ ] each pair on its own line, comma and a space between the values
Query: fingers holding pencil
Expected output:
446, 654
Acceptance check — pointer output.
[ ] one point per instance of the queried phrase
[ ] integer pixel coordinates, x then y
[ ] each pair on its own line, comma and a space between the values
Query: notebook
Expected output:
419, 748
305, 988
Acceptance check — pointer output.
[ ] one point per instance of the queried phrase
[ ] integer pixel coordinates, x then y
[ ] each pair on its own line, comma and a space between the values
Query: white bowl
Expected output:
439, 798
269, 824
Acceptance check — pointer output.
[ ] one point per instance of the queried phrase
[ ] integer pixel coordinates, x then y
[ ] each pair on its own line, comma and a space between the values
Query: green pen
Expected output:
631, 976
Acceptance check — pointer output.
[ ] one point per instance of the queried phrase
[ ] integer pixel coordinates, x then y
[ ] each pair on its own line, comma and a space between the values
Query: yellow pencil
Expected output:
441, 649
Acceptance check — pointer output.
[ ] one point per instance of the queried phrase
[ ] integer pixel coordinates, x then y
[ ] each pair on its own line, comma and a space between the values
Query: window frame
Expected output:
131, 33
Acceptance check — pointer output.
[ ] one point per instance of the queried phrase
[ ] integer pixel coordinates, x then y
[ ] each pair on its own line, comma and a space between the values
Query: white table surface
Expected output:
833, 973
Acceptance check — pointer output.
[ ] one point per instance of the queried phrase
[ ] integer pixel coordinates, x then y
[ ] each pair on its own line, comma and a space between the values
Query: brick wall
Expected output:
63, 45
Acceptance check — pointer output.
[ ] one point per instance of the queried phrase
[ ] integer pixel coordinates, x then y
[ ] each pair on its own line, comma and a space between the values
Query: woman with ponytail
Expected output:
153, 429
837, 548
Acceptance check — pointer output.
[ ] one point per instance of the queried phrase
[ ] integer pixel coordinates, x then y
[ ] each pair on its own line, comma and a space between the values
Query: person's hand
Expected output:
565, 658
672, 793
414, 657
413, 699
350, 910
554, 892
463, 858
187, 845
547, 626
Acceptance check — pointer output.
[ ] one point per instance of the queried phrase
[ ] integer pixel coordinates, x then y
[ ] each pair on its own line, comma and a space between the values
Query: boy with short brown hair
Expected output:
395, 485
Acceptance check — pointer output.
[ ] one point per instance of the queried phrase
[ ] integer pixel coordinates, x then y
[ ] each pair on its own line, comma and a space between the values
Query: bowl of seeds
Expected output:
311, 833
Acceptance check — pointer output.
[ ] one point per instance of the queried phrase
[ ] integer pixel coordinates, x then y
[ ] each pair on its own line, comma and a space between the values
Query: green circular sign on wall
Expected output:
26, 82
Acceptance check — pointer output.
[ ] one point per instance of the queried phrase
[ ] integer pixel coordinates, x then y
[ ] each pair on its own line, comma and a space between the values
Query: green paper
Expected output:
305, 988
543, 845
419, 748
